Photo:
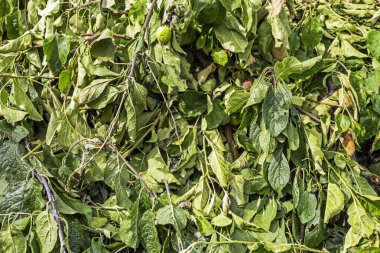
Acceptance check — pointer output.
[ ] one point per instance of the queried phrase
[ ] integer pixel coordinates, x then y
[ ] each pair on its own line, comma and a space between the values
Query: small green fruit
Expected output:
163, 34
235, 120
100, 23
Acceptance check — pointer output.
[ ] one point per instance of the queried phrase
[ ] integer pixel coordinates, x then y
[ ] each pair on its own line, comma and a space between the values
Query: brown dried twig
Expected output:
231, 142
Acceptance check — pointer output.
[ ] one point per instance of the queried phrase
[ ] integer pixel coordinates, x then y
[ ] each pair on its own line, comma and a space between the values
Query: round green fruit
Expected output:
100, 22
163, 34
235, 120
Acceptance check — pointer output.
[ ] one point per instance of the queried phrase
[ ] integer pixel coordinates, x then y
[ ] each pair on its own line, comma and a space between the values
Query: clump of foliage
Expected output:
189, 126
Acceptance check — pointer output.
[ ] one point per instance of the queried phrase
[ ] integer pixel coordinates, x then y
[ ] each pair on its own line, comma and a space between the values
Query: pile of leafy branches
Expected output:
189, 126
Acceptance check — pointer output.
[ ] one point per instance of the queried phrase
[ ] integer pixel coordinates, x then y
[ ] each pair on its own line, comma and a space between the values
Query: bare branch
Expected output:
50, 196
231, 142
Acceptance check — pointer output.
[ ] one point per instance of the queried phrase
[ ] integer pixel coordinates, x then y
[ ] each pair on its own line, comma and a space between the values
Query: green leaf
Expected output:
158, 169
172, 215
14, 24
280, 27
12, 241
264, 218
361, 223
311, 34
23, 42
23, 196
237, 191
68, 205
148, 233
129, 227
235, 100
343, 123
334, 203
10, 114
221, 220
351, 239
307, 207
192, 103
23, 101
349, 51
19, 133
293, 137
314, 139
131, 117
278, 171
56, 48
216, 116
274, 247
231, 5
103, 47
371, 204
93, 91
64, 82
108, 96
373, 40
230, 35
275, 110
265, 40
5, 8
220, 56
292, 66
216, 159
46, 229
258, 91
70, 132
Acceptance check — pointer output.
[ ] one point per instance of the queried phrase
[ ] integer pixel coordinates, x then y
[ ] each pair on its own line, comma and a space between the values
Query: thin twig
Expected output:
166, 103
132, 70
310, 115
109, 208
138, 142
135, 172
25, 77
49, 194
129, 77
94, 36
120, 12
231, 142
31, 152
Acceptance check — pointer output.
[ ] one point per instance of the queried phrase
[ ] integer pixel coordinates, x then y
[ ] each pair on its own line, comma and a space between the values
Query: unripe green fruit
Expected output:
163, 34
100, 23
235, 120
